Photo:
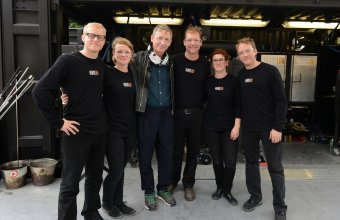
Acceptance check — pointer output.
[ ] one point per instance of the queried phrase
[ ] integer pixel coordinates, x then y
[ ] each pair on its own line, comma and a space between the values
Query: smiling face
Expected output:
121, 54
219, 63
161, 41
95, 31
247, 54
192, 42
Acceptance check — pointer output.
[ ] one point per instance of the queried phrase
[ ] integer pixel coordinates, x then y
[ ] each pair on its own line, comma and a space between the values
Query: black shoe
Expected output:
280, 215
250, 205
126, 209
231, 199
113, 211
93, 216
217, 194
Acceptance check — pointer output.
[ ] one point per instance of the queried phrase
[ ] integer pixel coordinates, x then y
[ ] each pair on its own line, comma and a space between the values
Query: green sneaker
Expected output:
150, 201
167, 198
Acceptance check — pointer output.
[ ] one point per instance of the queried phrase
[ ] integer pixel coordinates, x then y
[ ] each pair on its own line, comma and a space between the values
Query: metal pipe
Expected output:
13, 93
27, 86
16, 73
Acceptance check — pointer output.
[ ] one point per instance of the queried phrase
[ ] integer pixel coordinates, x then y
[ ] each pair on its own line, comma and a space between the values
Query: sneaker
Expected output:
280, 215
250, 205
189, 194
231, 199
217, 194
113, 211
150, 201
172, 187
126, 210
167, 197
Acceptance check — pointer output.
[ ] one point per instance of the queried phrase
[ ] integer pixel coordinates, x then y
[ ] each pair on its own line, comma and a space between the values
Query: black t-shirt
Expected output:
264, 102
223, 103
82, 79
119, 100
190, 77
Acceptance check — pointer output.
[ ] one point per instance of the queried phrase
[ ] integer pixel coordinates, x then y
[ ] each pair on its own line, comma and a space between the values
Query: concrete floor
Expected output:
312, 192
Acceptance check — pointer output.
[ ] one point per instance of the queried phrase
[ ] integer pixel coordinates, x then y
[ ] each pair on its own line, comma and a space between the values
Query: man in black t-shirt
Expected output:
264, 107
190, 73
81, 74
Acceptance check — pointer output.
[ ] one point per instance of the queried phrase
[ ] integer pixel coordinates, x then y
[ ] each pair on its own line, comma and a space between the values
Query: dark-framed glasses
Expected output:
218, 60
93, 36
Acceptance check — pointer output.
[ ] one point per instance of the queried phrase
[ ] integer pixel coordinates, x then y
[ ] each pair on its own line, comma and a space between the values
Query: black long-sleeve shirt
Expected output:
119, 100
82, 79
223, 103
264, 102
190, 77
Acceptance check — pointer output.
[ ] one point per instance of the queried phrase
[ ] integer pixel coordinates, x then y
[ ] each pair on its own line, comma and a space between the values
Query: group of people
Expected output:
161, 102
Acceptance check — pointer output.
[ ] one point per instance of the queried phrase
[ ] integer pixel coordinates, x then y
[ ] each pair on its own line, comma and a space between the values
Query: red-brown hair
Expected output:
220, 51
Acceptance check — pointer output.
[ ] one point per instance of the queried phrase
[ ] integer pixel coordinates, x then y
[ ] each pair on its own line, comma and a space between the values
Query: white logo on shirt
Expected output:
188, 70
248, 80
219, 88
93, 72
127, 84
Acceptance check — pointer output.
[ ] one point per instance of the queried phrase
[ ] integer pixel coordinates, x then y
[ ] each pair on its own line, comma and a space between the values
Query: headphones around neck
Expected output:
157, 60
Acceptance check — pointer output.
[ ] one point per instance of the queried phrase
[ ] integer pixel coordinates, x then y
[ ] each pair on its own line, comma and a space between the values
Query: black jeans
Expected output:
78, 151
224, 153
187, 133
118, 152
155, 131
273, 153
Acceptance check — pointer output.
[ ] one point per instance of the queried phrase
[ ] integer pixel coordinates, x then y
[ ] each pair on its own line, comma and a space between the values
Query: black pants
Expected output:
224, 153
187, 133
155, 131
273, 153
118, 152
78, 151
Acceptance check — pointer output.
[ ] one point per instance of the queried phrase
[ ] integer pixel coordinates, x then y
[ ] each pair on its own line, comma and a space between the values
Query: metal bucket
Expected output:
14, 173
42, 171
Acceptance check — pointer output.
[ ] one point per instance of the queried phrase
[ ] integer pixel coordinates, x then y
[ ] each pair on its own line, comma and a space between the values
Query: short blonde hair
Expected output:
246, 40
195, 29
93, 24
124, 41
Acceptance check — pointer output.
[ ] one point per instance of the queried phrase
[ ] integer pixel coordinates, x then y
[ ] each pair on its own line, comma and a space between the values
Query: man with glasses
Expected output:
154, 104
190, 71
81, 76
264, 108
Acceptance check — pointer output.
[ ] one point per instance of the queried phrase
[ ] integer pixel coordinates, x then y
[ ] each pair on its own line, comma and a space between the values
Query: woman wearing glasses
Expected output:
119, 100
222, 123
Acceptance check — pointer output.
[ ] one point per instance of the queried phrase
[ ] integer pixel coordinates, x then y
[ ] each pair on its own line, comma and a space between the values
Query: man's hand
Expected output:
275, 136
70, 127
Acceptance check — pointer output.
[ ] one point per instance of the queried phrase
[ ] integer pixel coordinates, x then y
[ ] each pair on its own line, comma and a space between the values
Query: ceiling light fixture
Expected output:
311, 25
234, 22
148, 20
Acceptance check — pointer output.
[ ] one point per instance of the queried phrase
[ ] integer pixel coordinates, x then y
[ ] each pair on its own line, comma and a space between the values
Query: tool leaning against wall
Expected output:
18, 85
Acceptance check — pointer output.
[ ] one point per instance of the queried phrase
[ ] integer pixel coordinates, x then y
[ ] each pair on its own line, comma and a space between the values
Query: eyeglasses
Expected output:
93, 36
218, 60
246, 51
121, 52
